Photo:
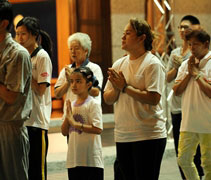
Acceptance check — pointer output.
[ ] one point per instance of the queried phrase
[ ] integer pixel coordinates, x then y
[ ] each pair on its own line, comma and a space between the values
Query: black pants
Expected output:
139, 160
38, 139
176, 122
85, 173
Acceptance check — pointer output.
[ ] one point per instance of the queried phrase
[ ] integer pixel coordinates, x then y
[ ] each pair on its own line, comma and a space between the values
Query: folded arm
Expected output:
8, 96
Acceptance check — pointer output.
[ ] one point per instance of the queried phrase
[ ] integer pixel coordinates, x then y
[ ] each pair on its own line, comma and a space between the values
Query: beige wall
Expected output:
199, 8
122, 10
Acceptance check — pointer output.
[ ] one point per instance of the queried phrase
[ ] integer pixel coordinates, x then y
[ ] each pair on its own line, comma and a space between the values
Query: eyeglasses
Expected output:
183, 27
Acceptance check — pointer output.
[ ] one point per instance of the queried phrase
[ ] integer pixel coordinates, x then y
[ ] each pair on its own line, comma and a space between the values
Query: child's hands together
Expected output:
69, 115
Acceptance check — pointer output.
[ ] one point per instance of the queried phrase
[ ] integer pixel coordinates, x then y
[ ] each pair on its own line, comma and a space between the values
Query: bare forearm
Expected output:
8, 96
171, 75
38, 88
111, 96
180, 87
65, 127
88, 128
61, 90
145, 97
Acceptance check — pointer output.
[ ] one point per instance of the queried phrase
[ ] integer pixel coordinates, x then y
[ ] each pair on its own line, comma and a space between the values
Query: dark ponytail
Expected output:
46, 42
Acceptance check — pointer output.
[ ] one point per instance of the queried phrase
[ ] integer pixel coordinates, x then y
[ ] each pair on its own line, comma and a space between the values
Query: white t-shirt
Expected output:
69, 95
41, 105
135, 121
175, 103
85, 149
196, 106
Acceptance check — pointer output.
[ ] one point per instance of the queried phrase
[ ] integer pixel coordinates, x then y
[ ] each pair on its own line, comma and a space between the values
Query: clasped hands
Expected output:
193, 66
69, 115
117, 79
68, 72
177, 60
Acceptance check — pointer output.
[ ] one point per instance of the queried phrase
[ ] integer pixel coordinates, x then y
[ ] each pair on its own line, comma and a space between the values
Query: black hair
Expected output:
32, 24
6, 12
201, 35
88, 75
46, 42
142, 27
193, 20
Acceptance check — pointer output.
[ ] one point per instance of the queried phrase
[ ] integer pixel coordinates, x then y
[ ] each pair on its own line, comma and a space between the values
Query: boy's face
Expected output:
185, 27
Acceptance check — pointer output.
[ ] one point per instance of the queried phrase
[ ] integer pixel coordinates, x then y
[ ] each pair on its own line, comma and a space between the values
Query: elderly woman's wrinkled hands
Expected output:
68, 72
117, 79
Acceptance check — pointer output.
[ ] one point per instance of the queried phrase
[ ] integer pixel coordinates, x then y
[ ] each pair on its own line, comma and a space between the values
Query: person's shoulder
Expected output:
92, 64
121, 60
43, 53
19, 49
93, 101
184, 63
176, 50
152, 58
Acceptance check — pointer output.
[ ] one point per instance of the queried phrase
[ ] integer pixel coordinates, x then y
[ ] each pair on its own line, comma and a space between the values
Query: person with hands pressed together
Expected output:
193, 82
135, 84
83, 124
80, 48
178, 55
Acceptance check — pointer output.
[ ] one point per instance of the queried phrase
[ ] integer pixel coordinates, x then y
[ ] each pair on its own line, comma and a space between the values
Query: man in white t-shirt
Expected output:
134, 86
193, 82
177, 56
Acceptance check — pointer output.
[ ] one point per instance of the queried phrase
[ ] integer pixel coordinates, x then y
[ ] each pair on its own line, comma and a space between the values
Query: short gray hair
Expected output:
83, 39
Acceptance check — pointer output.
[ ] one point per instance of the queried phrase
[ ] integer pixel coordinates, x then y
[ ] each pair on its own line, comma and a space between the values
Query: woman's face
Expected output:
24, 37
130, 41
77, 52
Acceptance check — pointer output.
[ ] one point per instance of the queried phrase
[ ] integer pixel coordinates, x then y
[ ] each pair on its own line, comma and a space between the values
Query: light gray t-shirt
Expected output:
15, 74
175, 102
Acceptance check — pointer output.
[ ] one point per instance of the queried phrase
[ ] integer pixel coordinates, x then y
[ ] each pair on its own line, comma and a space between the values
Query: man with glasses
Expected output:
15, 101
178, 55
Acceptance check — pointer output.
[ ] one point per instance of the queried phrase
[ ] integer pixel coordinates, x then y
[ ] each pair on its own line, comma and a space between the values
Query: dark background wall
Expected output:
45, 11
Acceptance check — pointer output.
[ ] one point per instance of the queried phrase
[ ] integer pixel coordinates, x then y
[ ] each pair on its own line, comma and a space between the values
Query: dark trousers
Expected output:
85, 173
176, 122
38, 139
139, 160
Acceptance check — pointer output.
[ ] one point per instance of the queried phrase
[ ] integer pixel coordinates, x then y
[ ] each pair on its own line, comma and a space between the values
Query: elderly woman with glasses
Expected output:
135, 84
